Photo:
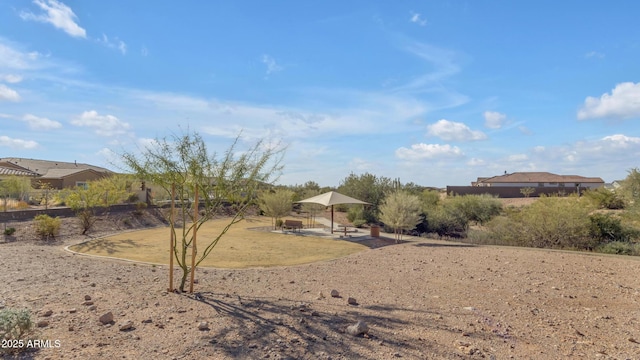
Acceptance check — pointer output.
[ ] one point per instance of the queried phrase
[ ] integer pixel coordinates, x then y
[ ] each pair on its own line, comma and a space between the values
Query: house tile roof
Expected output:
539, 177
8, 171
62, 173
41, 167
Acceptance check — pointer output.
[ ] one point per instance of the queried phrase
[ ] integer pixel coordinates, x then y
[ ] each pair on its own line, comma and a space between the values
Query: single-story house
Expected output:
539, 179
56, 174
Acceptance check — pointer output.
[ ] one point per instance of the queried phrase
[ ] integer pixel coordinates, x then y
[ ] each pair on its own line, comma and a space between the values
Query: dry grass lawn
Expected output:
240, 247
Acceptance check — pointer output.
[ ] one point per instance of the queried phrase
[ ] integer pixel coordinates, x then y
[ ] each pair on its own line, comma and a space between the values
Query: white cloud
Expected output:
105, 125
416, 18
17, 143
428, 151
272, 66
454, 131
40, 123
11, 78
7, 94
114, 44
10, 58
476, 162
517, 158
57, 14
494, 119
620, 141
622, 103
364, 113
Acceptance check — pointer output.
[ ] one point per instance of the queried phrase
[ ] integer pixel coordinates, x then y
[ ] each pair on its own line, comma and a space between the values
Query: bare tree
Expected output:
233, 179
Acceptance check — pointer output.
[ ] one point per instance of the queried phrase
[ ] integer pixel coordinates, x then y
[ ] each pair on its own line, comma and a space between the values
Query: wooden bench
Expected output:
292, 224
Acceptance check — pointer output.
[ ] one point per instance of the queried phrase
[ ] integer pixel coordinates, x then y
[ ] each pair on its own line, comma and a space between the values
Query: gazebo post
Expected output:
332, 219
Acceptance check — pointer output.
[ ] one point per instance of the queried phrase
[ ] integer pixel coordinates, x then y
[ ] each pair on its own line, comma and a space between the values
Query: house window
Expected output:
540, 184
82, 184
561, 185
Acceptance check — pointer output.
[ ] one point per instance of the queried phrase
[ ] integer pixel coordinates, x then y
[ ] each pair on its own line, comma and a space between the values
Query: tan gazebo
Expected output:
332, 198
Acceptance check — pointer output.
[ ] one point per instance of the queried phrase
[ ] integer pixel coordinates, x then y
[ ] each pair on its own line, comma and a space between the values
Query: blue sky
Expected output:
436, 93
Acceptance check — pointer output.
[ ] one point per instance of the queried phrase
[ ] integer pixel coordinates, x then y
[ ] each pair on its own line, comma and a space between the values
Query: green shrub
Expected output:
608, 228
619, 248
9, 231
358, 222
46, 226
132, 198
140, 206
447, 220
605, 199
15, 325
355, 212
481, 237
476, 208
550, 222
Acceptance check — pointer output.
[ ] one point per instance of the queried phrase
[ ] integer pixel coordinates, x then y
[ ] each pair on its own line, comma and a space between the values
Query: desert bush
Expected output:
9, 231
476, 208
605, 199
550, 222
46, 226
630, 189
355, 214
140, 207
609, 228
12, 204
481, 237
451, 217
619, 248
21, 205
447, 220
430, 199
15, 326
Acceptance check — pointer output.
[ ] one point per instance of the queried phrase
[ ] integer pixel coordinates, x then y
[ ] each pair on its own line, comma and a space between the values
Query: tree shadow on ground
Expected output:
109, 246
288, 329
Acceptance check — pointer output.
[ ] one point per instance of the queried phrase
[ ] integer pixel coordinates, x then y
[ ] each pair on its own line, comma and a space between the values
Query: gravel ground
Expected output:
422, 299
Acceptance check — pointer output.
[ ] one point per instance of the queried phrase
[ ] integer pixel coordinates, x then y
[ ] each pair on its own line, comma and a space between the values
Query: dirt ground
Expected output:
422, 299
